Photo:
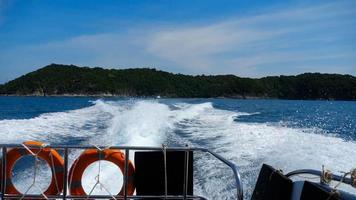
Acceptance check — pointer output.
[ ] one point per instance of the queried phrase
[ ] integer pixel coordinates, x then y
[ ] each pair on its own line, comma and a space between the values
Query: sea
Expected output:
286, 134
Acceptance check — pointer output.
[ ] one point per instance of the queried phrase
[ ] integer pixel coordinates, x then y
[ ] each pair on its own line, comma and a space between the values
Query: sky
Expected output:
252, 38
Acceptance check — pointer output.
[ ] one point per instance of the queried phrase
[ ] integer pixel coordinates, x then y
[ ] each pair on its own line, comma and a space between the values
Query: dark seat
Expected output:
272, 185
149, 173
317, 192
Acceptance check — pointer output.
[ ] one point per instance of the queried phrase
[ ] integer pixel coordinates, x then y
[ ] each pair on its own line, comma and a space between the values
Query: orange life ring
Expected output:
47, 154
90, 156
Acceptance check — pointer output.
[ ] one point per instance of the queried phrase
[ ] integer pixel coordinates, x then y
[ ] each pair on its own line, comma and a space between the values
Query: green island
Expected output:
70, 80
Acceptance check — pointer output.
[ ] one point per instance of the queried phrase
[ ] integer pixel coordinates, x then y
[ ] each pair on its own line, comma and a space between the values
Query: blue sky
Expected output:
245, 38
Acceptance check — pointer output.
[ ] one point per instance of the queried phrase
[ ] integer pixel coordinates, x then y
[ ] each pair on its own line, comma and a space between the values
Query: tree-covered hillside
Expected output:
72, 80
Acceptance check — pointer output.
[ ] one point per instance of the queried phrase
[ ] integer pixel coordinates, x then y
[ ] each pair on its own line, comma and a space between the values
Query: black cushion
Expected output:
316, 192
273, 185
149, 173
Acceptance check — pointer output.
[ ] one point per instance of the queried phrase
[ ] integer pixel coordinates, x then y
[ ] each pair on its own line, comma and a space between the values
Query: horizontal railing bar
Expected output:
135, 148
319, 173
105, 196
109, 147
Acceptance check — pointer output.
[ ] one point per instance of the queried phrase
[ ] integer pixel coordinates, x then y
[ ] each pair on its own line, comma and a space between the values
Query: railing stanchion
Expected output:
185, 179
126, 173
3, 171
65, 182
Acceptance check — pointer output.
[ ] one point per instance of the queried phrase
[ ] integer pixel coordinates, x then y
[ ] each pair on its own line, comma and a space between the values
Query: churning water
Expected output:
285, 134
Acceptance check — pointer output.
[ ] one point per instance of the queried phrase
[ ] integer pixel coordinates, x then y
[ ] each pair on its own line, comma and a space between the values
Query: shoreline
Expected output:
105, 95
128, 96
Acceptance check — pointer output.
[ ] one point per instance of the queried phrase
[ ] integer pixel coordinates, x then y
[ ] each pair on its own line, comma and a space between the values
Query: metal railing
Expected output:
66, 148
333, 177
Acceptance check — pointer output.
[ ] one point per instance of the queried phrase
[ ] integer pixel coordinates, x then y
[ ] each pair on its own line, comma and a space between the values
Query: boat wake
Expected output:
152, 123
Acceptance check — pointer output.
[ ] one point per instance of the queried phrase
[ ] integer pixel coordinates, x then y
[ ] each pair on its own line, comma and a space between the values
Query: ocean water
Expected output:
288, 135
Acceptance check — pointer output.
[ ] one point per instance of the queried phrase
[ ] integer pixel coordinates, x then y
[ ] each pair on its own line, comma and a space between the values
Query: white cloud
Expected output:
105, 50
252, 41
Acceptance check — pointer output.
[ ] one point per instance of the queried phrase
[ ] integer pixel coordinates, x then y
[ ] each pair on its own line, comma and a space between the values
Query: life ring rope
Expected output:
35, 155
36, 168
57, 170
90, 156
39, 151
97, 178
77, 184
54, 160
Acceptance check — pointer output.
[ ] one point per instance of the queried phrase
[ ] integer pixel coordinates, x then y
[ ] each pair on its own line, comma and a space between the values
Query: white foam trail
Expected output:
151, 123
251, 144
56, 127
144, 124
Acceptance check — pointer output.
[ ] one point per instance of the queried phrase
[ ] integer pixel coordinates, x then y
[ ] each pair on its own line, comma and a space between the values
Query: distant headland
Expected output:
70, 80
